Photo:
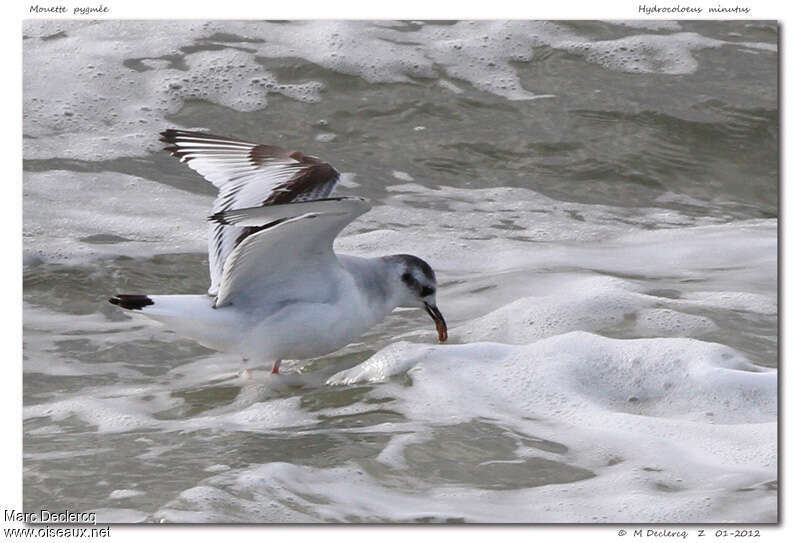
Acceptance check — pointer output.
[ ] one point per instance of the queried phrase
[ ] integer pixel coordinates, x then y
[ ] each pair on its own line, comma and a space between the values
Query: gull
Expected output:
278, 290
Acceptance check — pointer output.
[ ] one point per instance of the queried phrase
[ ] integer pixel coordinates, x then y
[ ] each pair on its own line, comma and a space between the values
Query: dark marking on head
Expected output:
414, 262
417, 275
131, 301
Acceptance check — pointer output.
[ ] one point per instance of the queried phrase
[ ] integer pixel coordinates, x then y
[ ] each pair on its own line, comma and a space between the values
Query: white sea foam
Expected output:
682, 422
61, 224
90, 105
70, 216
648, 25
583, 303
124, 493
626, 398
663, 322
106, 101
654, 53
402, 176
216, 468
280, 492
107, 414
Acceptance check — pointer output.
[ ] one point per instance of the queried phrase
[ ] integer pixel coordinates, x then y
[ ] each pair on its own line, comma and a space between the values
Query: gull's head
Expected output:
417, 283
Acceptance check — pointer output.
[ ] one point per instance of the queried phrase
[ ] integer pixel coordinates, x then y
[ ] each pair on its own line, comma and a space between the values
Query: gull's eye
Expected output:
407, 278
426, 291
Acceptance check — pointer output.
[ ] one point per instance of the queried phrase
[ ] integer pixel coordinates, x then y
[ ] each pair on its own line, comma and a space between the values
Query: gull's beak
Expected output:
436, 315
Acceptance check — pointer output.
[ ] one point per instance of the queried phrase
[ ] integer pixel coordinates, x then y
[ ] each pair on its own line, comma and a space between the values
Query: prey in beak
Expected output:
436, 315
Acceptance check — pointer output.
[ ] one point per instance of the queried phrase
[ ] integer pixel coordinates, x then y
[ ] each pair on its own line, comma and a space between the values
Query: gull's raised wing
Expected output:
247, 175
291, 252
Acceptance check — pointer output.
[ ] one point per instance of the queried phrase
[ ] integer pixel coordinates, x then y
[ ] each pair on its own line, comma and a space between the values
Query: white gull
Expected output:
278, 291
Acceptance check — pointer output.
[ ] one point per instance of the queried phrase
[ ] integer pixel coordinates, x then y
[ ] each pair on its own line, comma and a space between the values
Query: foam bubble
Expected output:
653, 53
216, 468
124, 493
402, 176
648, 25
124, 215
667, 322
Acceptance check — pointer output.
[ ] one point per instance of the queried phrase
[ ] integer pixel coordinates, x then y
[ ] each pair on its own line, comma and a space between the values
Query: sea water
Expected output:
599, 201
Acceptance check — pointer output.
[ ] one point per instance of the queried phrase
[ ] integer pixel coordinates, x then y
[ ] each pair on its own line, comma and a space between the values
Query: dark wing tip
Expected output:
131, 301
175, 137
218, 217
168, 134
171, 136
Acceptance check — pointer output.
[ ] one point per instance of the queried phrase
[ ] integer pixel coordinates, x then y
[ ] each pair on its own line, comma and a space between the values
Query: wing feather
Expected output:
291, 253
247, 175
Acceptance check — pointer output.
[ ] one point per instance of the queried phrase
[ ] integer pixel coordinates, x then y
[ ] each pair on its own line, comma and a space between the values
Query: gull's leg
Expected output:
246, 373
275, 366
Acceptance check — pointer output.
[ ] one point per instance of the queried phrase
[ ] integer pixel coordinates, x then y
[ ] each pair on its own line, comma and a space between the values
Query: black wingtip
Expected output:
219, 218
168, 135
172, 137
131, 301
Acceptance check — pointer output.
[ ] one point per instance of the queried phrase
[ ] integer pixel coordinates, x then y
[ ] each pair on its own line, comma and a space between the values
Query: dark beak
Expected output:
436, 315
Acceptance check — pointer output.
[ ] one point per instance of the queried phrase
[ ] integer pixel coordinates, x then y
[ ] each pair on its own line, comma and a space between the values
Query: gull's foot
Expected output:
275, 366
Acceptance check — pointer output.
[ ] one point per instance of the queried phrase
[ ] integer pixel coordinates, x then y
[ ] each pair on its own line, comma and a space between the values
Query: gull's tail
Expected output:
131, 301
185, 306
191, 315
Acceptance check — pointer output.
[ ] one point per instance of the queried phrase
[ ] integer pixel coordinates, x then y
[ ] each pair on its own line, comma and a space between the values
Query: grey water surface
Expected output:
127, 419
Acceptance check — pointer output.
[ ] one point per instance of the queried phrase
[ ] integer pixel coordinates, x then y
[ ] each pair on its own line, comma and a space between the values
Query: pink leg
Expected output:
246, 371
275, 366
